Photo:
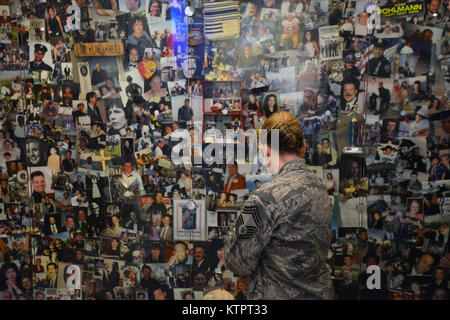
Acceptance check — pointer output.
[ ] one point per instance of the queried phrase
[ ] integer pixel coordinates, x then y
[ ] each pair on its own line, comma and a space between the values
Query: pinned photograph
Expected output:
189, 220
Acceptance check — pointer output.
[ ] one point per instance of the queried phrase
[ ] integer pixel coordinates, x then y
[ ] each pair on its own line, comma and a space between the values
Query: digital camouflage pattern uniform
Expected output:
282, 236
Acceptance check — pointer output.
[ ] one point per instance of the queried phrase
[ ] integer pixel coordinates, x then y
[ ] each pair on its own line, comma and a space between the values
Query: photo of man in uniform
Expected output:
38, 64
379, 66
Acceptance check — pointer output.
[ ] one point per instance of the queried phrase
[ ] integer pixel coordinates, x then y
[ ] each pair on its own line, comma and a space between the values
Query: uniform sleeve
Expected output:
248, 236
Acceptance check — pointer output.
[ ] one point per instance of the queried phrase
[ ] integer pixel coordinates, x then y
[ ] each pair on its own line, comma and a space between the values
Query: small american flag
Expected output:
221, 20
368, 54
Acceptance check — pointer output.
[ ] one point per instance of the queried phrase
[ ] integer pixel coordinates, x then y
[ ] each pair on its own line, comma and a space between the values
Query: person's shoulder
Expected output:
301, 181
240, 176
262, 197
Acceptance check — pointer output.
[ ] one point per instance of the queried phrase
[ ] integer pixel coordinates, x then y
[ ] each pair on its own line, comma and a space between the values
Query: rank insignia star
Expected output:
247, 222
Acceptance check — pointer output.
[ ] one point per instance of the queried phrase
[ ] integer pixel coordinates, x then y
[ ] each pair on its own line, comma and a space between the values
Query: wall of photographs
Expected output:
93, 94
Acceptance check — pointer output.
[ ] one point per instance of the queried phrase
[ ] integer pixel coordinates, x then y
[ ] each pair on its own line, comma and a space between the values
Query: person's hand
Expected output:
173, 259
112, 13
11, 285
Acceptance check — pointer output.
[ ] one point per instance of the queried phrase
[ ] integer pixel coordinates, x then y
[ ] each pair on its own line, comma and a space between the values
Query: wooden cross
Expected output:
102, 159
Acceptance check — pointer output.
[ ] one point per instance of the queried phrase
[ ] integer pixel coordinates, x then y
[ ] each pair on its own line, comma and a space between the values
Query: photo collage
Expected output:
118, 119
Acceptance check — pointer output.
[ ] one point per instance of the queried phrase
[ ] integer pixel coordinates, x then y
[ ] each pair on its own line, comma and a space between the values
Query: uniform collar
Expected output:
292, 165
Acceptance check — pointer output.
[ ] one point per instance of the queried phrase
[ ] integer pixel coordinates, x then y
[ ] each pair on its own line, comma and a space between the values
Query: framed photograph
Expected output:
222, 96
226, 218
189, 220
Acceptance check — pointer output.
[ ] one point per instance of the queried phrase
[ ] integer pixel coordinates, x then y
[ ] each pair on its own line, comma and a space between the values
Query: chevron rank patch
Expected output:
247, 222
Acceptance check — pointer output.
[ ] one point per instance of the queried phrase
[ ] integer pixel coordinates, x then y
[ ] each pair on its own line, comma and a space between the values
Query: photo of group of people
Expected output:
106, 105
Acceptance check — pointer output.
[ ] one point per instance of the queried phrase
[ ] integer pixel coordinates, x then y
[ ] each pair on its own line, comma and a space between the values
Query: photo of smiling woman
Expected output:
156, 88
55, 30
155, 9
414, 208
9, 281
118, 117
110, 247
138, 32
131, 5
270, 105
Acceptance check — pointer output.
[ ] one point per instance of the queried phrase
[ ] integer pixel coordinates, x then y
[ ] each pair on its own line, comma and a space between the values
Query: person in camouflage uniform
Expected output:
282, 235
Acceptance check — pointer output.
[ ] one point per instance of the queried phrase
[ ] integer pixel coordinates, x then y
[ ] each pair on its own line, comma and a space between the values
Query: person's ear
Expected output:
267, 150
303, 150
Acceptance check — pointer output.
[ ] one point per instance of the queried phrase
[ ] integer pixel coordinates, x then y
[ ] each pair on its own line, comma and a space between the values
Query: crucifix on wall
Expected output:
102, 159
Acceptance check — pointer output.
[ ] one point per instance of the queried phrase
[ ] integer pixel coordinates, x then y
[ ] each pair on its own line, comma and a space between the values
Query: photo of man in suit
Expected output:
200, 265
54, 97
70, 225
78, 184
95, 110
52, 275
166, 231
235, 180
98, 75
350, 88
52, 224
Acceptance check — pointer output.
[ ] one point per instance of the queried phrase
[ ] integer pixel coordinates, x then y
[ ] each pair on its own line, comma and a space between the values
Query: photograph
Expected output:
40, 57
414, 208
128, 131
189, 220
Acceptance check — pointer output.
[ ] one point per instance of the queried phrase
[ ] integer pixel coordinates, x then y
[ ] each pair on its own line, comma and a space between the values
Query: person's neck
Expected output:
285, 159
